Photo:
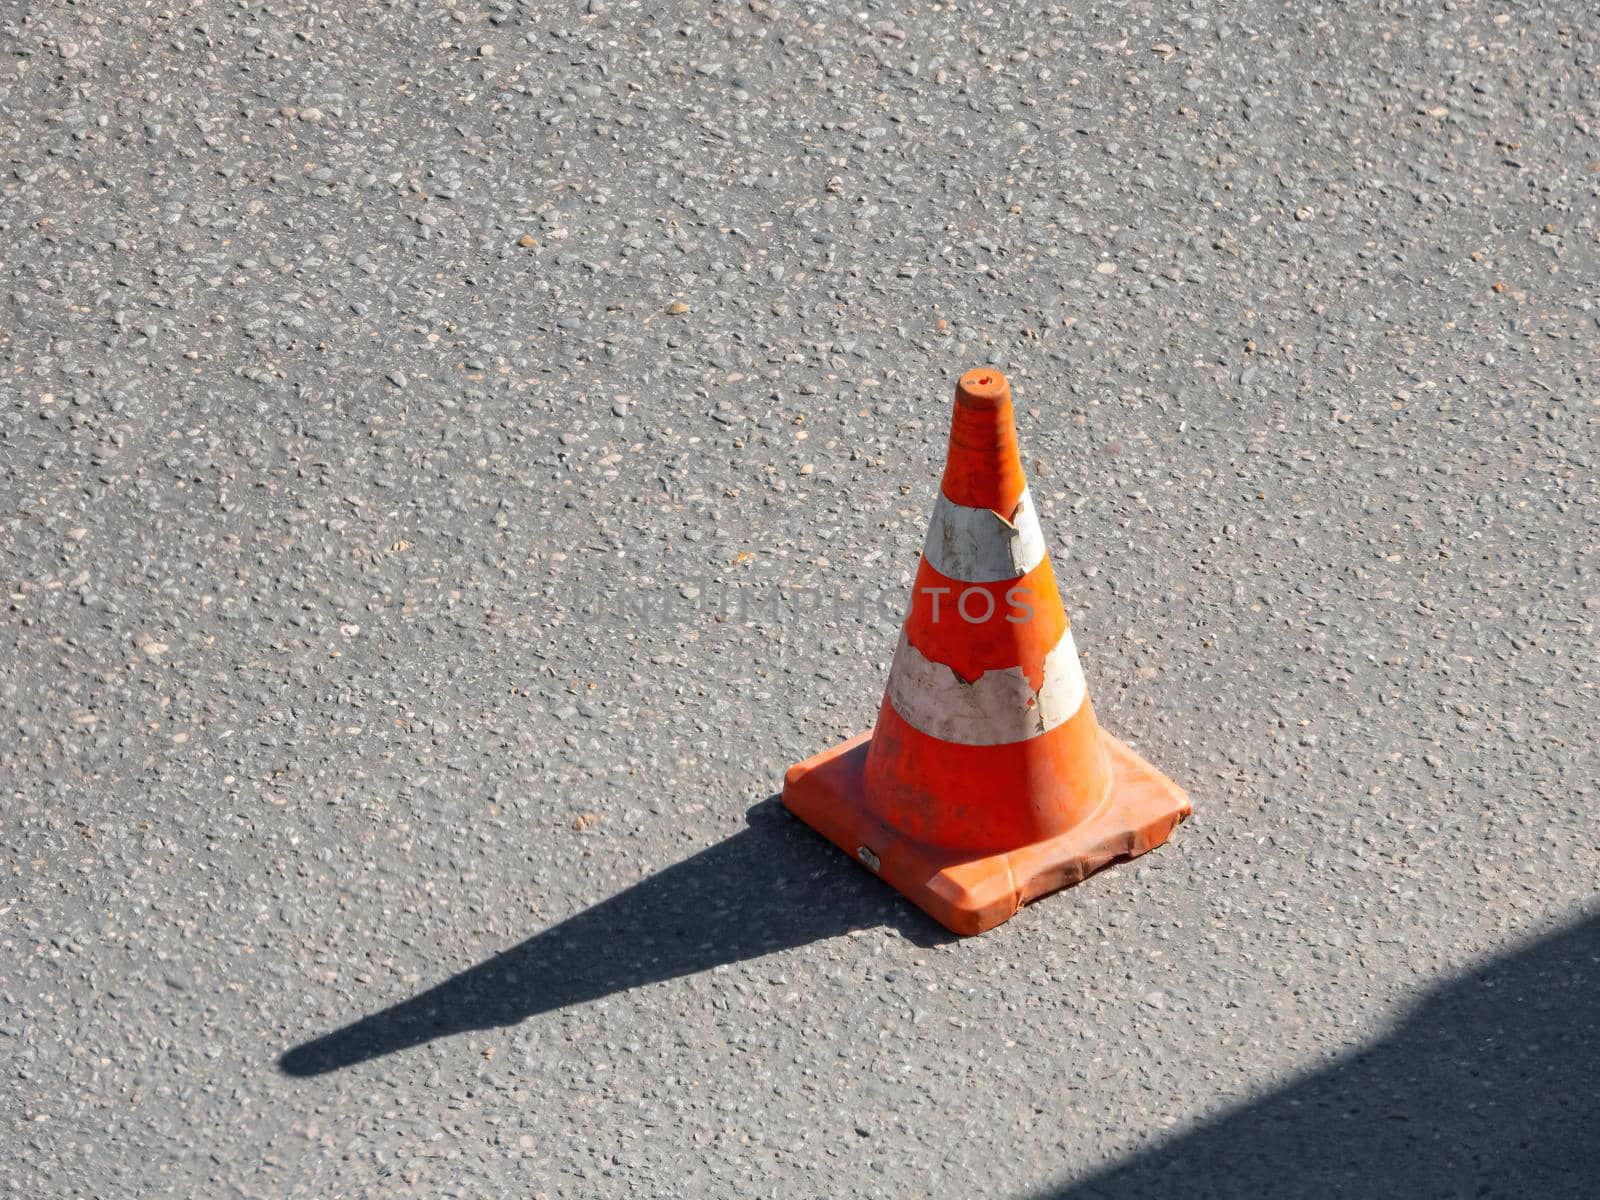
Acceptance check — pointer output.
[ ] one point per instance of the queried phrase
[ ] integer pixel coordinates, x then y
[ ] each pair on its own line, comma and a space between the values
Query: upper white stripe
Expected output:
996, 708
977, 545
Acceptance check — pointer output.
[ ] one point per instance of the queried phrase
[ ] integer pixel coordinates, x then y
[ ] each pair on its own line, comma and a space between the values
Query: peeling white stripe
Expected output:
977, 545
996, 708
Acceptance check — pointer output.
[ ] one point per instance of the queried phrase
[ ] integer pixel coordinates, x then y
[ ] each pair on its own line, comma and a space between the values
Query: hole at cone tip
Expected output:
982, 389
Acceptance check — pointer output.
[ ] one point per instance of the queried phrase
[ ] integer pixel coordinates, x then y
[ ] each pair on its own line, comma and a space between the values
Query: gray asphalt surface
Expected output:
455, 457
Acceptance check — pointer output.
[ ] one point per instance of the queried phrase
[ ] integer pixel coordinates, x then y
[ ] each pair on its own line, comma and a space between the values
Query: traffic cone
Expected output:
987, 782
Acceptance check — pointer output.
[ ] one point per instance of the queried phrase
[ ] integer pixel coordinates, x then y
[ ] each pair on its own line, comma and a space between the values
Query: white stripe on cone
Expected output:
977, 545
996, 708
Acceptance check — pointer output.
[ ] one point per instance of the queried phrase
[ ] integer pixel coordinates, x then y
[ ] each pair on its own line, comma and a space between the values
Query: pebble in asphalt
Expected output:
455, 457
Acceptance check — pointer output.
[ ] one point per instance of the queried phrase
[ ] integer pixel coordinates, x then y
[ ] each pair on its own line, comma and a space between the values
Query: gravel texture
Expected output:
453, 457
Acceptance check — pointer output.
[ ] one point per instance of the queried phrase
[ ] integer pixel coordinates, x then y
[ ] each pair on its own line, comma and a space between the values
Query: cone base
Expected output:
968, 895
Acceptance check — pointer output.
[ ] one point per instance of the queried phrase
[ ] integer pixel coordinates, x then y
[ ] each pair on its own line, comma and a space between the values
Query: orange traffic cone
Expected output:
987, 782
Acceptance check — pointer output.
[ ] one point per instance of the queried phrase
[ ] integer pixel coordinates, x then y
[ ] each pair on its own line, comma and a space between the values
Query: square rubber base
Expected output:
969, 895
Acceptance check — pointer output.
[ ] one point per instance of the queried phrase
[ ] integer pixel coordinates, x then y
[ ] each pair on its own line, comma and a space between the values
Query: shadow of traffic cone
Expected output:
987, 782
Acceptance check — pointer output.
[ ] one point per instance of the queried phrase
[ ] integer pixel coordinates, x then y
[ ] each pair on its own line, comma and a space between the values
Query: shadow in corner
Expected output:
772, 886
1488, 1087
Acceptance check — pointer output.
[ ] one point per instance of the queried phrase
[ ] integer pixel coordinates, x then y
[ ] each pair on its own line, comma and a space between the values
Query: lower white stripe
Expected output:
996, 708
978, 545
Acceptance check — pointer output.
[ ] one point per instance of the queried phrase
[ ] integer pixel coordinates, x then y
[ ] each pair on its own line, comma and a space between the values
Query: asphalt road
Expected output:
455, 457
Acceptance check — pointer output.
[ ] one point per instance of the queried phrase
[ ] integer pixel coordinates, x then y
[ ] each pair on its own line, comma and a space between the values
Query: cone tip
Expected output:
984, 388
